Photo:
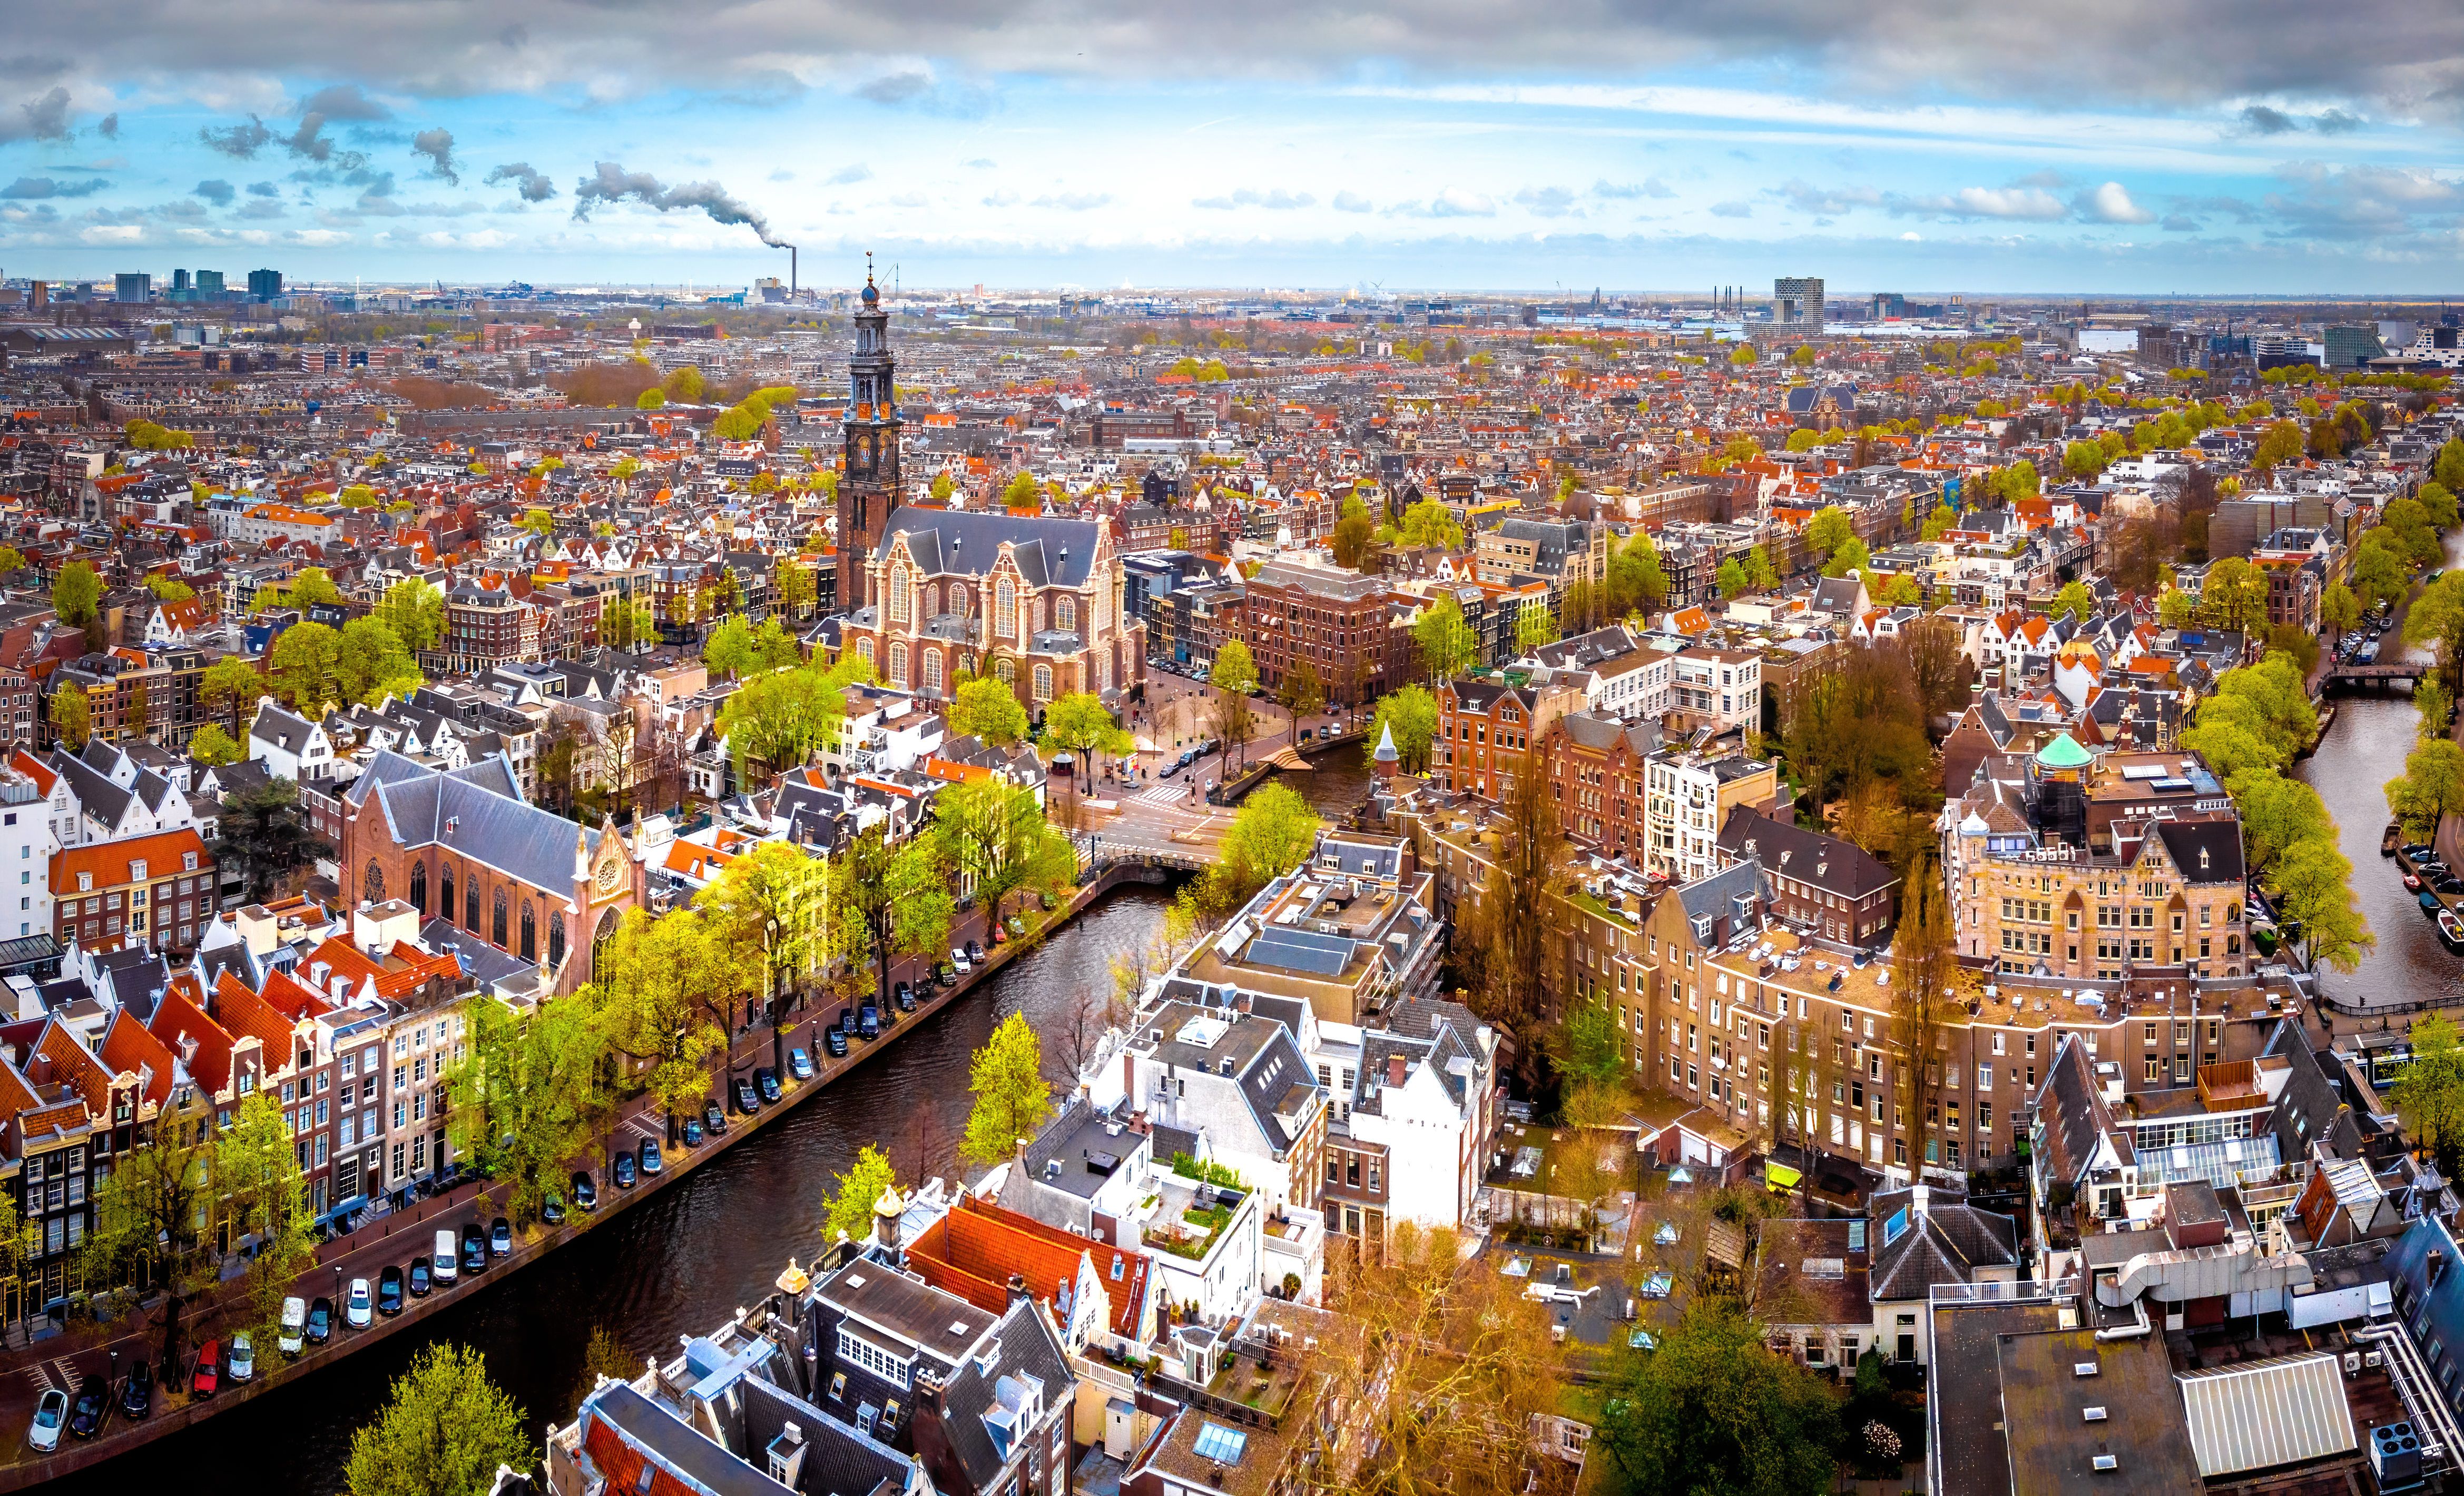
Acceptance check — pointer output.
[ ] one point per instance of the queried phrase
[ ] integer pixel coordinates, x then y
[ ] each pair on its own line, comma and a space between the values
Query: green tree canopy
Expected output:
2075, 600
444, 1431
71, 714
371, 663
1713, 1410
1445, 639
302, 664
1270, 834
76, 594
1012, 1099
987, 708
1412, 713
1431, 523
1829, 530
2428, 1091
859, 1188
212, 746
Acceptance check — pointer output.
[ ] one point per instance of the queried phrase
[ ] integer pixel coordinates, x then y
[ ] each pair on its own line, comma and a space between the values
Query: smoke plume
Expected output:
614, 183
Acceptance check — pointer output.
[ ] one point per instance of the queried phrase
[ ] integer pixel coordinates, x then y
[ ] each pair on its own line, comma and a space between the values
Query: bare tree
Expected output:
1926, 982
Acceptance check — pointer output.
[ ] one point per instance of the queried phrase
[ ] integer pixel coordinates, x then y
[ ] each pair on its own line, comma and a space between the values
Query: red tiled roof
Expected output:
72, 1067
177, 1019
130, 1048
973, 1250
110, 863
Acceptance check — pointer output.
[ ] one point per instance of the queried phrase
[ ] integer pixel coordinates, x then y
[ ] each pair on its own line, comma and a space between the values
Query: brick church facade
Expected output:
462, 845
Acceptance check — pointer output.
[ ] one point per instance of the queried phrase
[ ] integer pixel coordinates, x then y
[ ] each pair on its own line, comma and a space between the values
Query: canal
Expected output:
2365, 748
674, 1265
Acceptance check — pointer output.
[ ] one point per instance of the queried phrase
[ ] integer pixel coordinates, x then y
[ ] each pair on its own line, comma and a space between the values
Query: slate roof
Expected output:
966, 543
1809, 856
1946, 1241
479, 812
2206, 851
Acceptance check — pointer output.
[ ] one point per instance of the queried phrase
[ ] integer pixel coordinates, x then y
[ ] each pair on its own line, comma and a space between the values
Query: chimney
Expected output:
1395, 1067
2436, 1266
1018, 1294
885, 1212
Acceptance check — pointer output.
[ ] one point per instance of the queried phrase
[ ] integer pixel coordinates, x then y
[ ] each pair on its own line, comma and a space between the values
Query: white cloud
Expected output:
1350, 203
2111, 204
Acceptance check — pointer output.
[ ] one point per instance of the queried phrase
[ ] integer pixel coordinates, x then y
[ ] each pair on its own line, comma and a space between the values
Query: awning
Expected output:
1780, 1177
2256, 1416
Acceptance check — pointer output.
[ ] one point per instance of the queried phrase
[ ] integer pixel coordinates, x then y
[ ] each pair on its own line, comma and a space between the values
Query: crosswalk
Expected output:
1165, 794
57, 1375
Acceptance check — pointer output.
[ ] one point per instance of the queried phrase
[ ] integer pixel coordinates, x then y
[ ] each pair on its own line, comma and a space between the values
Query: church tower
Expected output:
869, 488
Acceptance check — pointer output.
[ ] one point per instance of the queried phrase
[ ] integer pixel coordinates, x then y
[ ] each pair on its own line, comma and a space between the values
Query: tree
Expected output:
1760, 574
535, 522
851, 1210
415, 613
1233, 674
891, 899
444, 1430
2431, 786
214, 747
1731, 578
72, 714
231, 682
2379, 572
1829, 530
685, 386
668, 986
942, 487
371, 662
531, 1091
626, 624
152, 1217
12, 561
987, 708
1849, 559
2234, 594
1534, 626
1926, 993
1635, 582
777, 721
2075, 600
651, 399
1080, 723
264, 1197
2316, 882
1943, 517
2428, 1091
2437, 501
1511, 924
171, 589
265, 836
995, 835
2281, 443
1022, 494
1411, 713
1431, 525
2338, 610
729, 650
1356, 534
1012, 1099
1303, 694
302, 665
77, 595
1712, 1409
1271, 833
1447, 644
1583, 1046
2278, 813
1900, 591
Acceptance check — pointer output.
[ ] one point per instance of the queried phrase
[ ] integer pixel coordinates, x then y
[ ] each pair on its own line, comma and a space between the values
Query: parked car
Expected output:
714, 1119
945, 973
767, 1081
746, 1101
867, 1022
448, 1267
552, 1210
320, 1321
474, 1248
958, 961
241, 1366
692, 1132
835, 1041
624, 1171
799, 1065
652, 1163
208, 1376
417, 1281
976, 952
1050, 903
88, 1413
585, 1191
49, 1415
294, 1320
906, 998
1016, 924
358, 1305
1001, 935
137, 1393
390, 1291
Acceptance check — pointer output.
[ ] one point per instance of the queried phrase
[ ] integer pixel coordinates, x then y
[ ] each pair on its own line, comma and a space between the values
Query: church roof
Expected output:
966, 543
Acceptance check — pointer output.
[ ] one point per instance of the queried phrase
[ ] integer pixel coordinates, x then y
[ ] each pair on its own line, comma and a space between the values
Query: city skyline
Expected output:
2093, 152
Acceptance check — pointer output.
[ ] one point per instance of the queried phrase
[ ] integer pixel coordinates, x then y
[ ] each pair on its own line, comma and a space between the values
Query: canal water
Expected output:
671, 1267
2365, 748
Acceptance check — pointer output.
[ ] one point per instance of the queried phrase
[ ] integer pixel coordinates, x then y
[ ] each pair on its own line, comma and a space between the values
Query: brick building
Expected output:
153, 891
1337, 622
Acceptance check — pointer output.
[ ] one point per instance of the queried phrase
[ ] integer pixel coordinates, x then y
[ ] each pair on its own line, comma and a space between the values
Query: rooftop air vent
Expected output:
2106, 1462
2092, 1415
2083, 1369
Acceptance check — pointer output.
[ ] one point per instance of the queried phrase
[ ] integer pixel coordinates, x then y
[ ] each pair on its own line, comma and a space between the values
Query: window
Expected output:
496, 924
1043, 683
897, 663
860, 1352
530, 933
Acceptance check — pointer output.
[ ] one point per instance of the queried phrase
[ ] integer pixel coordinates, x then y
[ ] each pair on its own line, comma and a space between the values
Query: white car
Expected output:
959, 960
357, 1309
294, 1320
242, 1366
50, 1413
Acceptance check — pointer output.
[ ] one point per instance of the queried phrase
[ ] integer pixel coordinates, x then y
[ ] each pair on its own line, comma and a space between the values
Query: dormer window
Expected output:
137, 871
85, 883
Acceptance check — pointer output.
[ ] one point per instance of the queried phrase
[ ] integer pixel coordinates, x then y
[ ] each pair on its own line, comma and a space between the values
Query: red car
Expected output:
208, 1375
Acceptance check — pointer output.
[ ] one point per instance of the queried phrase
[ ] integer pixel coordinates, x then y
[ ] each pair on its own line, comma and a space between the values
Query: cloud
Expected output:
783, 175
1455, 203
2034, 205
896, 88
982, 163
2180, 222
1732, 210
535, 188
43, 117
1804, 197
1276, 200
2353, 203
1648, 186
240, 141
28, 187
2260, 120
611, 183
437, 145
1350, 203
216, 191
1550, 202
1000, 197
2110, 203
344, 101
2336, 122
108, 126
853, 172
310, 143
914, 88
261, 210
264, 189
1072, 202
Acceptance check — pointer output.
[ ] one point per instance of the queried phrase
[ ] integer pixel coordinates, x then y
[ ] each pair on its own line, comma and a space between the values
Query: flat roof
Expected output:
2262, 1414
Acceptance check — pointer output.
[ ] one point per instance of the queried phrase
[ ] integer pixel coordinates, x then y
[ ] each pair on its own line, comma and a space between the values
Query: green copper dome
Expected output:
2062, 753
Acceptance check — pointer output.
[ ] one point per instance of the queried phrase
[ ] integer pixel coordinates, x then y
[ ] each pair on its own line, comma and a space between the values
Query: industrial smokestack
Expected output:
791, 273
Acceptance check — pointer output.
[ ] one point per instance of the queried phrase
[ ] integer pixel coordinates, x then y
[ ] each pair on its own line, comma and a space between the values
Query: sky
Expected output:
2096, 148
